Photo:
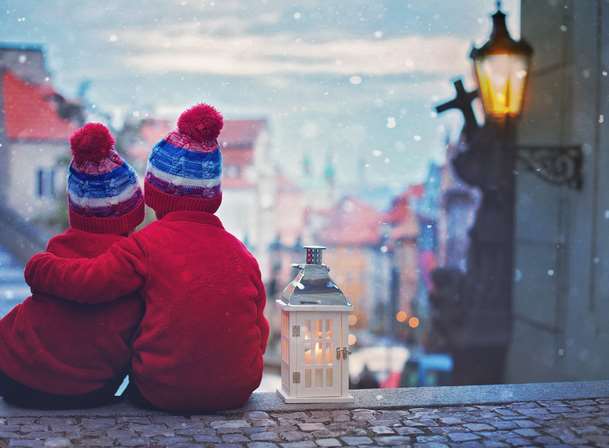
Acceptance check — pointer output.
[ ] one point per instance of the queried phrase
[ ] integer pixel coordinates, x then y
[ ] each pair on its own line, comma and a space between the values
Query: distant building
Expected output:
402, 237
25, 61
427, 206
35, 124
137, 138
319, 195
248, 186
457, 213
352, 233
290, 211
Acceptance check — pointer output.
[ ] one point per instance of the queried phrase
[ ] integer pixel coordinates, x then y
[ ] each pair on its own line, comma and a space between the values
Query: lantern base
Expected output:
289, 399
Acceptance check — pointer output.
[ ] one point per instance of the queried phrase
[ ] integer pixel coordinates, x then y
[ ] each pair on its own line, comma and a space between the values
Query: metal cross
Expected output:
462, 102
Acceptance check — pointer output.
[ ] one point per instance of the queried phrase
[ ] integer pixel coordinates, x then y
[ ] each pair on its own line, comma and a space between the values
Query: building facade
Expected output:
352, 234
561, 328
458, 204
34, 133
248, 186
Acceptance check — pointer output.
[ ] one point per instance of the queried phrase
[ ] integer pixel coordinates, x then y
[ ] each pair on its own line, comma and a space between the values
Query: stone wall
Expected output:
561, 328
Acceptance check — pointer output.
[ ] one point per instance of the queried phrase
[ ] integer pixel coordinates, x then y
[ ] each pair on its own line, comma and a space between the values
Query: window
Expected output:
232, 171
45, 183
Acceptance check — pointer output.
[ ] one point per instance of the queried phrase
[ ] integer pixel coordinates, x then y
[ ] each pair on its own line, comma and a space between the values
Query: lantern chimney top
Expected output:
312, 289
314, 254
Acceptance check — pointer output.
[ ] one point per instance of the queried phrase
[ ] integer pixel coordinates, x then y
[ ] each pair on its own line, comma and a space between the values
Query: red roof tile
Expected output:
401, 217
232, 156
236, 134
400, 209
352, 223
151, 131
241, 132
237, 183
416, 190
29, 114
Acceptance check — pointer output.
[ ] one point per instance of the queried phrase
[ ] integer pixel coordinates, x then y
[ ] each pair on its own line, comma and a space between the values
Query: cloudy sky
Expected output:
357, 78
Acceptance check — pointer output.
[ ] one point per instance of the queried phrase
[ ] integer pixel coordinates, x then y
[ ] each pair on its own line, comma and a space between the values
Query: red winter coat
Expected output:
61, 347
203, 335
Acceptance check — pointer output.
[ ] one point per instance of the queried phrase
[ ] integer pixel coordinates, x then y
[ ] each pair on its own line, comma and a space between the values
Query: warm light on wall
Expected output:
413, 322
352, 339
401, 316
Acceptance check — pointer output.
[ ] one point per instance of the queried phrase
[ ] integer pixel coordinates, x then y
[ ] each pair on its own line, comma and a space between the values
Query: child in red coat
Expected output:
59, 354
203, 335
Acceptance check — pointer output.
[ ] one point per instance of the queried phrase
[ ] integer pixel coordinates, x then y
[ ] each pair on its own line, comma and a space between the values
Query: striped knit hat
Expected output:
184, 169
103, 191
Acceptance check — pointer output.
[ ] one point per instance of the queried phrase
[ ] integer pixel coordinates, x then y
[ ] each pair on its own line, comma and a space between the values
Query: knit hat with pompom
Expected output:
184, 169
104, 195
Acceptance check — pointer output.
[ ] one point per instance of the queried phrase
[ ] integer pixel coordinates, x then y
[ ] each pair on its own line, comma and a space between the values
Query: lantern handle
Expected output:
345, 351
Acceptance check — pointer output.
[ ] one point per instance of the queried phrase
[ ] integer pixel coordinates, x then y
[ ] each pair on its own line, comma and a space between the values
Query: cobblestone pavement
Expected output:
547, 423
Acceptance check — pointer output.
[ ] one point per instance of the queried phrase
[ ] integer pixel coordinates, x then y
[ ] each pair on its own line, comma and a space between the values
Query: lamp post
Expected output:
489, 163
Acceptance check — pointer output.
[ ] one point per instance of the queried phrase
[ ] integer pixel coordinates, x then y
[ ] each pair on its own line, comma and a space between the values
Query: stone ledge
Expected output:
551, 414
376, 399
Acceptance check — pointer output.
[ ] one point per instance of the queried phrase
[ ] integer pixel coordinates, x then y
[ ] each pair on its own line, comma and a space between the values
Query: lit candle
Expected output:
318, 353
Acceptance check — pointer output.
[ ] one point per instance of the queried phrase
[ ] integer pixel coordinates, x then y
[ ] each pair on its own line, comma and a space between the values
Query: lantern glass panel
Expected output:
502, 81
328, 328
307, 330
318, 348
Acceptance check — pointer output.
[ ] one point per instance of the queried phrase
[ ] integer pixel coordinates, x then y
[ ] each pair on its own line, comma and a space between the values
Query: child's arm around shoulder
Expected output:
117, 272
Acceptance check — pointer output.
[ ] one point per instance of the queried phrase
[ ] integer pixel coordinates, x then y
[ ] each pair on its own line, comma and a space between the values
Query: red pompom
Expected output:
91, 143
201, 123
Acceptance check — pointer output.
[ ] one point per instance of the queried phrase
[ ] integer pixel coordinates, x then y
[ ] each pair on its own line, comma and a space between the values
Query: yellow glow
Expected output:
308, 359
401, 316
315, 355
413, 322
352, 339
501, 82
352, 319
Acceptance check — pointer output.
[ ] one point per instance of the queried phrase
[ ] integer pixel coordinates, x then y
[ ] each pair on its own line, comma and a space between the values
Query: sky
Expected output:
353, 80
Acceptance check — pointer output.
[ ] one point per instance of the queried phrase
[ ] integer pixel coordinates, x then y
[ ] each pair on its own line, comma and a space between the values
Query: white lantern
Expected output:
314, 336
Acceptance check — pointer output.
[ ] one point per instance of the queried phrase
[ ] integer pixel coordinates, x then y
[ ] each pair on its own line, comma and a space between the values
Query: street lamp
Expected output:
489, 162
501, 67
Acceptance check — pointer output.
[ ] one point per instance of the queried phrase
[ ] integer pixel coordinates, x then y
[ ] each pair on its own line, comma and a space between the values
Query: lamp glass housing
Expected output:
502, 79
502, 68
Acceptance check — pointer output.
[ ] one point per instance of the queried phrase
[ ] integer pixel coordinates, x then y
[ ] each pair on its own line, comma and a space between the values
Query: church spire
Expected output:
307, 170
329, 170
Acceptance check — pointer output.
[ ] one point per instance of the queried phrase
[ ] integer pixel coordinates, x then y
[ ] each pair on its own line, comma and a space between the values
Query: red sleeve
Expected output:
263, 323
117, 272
